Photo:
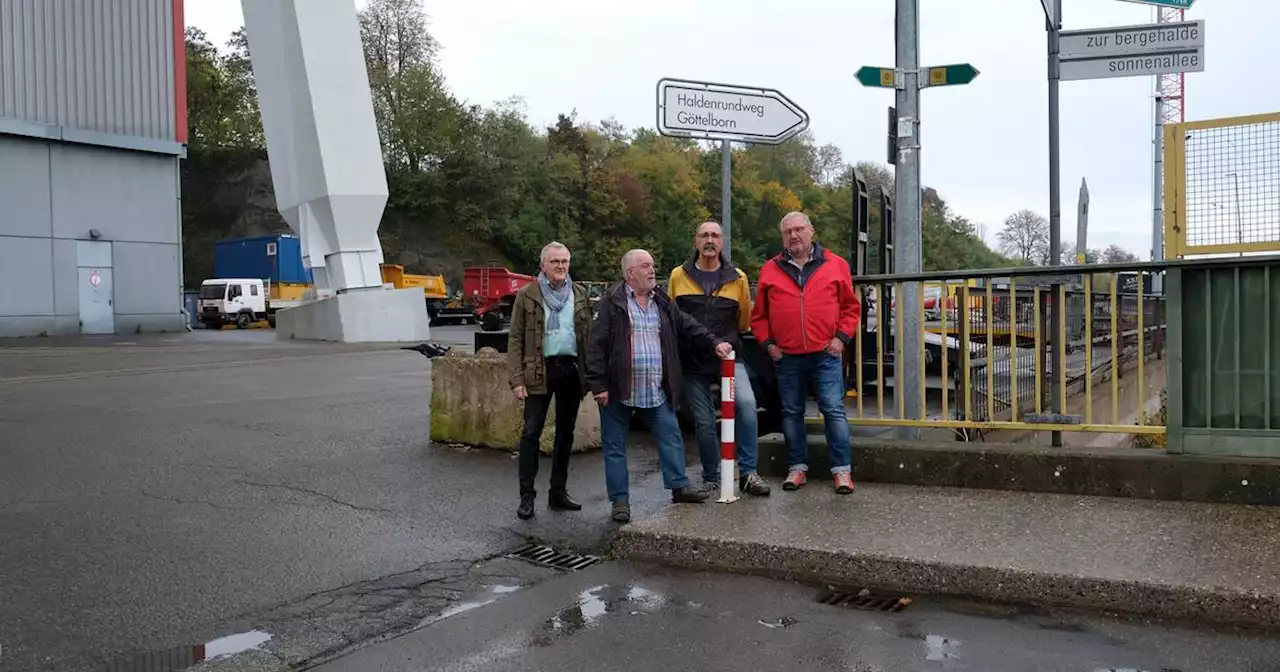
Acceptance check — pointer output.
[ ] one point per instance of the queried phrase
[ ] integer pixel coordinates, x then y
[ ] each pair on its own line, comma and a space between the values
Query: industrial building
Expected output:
92, 128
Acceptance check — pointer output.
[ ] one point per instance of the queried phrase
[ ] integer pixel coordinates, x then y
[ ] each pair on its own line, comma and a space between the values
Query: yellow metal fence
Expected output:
986, 345
1222, 186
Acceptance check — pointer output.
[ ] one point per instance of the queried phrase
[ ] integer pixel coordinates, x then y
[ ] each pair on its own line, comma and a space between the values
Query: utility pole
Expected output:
1054, 25
908, 214
726, 194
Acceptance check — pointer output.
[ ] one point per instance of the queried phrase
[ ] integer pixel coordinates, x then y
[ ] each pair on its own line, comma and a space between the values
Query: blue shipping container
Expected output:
277, 258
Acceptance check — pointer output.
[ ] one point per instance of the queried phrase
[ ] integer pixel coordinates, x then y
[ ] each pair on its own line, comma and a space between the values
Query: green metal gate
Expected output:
1224, 341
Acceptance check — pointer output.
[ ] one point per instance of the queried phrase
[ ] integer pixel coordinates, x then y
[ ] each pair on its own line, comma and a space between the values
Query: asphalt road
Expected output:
223, 488
163, 491
624, 617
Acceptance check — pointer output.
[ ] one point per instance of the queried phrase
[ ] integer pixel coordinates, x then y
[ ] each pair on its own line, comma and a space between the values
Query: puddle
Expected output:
487, 597
593, 604
940, 649
183, 657
225, 646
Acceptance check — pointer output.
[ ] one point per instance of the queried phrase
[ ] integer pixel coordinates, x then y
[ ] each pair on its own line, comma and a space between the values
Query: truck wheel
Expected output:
243, 320
492, 321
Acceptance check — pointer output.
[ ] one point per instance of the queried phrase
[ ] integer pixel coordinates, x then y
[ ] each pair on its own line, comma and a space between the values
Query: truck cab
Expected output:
238, 301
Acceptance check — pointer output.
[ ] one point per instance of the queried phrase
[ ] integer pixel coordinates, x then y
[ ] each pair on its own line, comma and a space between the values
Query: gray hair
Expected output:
628, 258
553, 245
795, 214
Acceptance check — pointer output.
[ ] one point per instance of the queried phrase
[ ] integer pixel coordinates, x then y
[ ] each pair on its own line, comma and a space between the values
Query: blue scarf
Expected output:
556, 298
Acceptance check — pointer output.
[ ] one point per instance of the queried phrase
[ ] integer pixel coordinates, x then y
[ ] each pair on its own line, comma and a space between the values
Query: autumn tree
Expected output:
482, 184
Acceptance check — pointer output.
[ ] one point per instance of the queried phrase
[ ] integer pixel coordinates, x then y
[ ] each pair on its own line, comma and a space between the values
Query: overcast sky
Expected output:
985, 145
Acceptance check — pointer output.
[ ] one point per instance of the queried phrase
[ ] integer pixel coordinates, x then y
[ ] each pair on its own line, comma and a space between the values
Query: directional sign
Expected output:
1171, 4
949, 75
692, 109
1137, 65
872, 76
1124, 40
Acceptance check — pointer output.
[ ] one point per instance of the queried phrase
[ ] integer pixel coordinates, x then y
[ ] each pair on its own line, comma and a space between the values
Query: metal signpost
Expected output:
1100, 53
907, 78
728, 113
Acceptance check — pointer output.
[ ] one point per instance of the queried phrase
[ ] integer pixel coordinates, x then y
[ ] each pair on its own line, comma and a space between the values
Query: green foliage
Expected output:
471, 184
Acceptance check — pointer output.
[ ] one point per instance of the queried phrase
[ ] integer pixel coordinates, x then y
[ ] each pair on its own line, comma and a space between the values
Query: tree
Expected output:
1025, 237
479, 184
1114, 254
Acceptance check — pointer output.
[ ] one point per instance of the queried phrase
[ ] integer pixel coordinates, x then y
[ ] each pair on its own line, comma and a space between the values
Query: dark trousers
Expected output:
564, 386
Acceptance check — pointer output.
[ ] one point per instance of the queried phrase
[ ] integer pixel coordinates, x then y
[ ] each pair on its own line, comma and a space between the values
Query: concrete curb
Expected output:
1130, 473
918, 576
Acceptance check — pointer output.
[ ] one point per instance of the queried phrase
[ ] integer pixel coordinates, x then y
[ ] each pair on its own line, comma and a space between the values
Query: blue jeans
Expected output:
615, 424
703, 407
826, 372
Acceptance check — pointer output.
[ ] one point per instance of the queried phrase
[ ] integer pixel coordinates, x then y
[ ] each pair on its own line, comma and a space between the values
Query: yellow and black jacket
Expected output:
721, 303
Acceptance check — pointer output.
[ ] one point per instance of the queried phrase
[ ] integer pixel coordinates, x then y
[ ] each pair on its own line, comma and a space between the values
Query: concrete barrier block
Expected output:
471, 404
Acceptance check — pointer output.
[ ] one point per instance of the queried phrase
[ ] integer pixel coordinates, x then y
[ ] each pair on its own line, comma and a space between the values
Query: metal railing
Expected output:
987, 343
1222, 186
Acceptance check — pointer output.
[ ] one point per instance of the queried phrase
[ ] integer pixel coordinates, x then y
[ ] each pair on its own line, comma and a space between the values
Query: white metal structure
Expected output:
326, 166
322, 138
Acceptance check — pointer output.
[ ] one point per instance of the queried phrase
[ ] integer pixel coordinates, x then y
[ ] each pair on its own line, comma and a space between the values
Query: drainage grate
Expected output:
550, 557
862, 600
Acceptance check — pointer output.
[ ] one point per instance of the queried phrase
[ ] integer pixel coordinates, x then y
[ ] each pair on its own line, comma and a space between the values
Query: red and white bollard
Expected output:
728, 448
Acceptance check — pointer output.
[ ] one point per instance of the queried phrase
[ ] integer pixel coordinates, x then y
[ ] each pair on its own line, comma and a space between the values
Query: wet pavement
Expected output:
216, 483
177, 498
1215, 562
628, 617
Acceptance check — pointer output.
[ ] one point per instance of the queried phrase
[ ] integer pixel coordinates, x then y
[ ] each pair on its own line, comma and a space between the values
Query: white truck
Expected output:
238, 301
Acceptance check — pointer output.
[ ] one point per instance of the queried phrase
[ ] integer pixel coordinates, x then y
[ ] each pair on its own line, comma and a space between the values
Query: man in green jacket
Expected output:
546, 355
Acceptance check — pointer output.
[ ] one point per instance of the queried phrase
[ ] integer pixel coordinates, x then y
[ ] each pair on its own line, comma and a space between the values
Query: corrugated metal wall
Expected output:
96, 65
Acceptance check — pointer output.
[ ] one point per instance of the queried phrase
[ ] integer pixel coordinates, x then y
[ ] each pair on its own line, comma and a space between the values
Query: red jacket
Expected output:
801, 311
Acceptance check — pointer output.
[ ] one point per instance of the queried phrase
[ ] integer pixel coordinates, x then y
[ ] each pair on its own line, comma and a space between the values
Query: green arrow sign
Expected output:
872, 76
949, 75
1173, 4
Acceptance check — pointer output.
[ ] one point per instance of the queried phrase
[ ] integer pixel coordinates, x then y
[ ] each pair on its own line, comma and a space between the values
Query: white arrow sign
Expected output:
693, 109
1126, 40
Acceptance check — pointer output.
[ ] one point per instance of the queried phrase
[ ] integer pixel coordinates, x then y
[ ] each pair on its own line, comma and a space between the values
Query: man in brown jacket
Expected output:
546, 353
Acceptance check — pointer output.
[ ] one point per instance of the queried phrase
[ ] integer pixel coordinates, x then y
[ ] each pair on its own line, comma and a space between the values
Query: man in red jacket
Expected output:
806, 312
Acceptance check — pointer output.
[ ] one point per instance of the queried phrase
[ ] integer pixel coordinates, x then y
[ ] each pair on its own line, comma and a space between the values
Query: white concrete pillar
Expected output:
322, 138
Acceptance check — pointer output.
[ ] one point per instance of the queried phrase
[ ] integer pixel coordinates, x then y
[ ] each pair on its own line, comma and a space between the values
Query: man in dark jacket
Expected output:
633, 367
546, 350
717, 295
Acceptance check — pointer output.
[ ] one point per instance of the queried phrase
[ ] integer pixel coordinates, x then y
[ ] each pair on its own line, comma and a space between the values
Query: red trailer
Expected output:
492, 291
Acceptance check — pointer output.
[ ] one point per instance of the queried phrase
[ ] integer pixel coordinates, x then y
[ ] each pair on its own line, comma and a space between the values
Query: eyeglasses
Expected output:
558, 262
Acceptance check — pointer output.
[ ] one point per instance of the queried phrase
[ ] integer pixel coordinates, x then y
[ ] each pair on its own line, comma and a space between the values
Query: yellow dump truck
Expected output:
439, 306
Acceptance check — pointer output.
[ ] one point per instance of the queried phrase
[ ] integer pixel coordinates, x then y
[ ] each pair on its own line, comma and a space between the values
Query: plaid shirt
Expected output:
646, 353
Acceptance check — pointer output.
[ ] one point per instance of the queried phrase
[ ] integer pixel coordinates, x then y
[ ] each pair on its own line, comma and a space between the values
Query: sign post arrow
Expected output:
950, 75
707, 110
870, 75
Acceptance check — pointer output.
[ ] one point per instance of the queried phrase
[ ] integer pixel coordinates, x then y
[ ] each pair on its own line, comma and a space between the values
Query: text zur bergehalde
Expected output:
705, 116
